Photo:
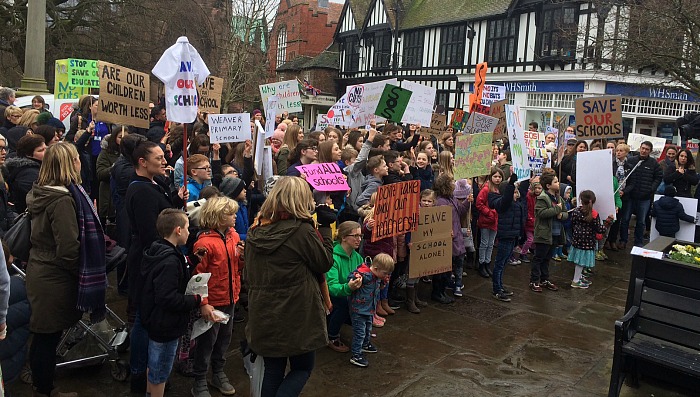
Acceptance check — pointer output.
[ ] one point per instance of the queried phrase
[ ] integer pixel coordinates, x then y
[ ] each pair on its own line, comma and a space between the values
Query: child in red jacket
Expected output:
221, 252
535, 190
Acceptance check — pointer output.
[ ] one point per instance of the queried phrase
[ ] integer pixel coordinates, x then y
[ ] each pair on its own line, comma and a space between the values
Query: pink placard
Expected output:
325, 177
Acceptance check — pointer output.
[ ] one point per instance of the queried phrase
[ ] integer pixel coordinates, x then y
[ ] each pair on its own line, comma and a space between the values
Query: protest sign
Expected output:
599, 181
62, 89
286, 91
483, 109
224, 128
518, 149
268, 171
658, 144
687, 230
536, 153
473, 155
210, 94
83, 73
479, 82
124, 95
599, 117
480, 123
322, 122
492, 93
498, 110
325, 177
396, 209
420, 106
363, 100
458, 119
271, 114
431, 251
340, 113
393, 102
258, 156
438, 125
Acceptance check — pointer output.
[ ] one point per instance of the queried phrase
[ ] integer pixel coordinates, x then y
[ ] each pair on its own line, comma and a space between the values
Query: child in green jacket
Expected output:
547, 207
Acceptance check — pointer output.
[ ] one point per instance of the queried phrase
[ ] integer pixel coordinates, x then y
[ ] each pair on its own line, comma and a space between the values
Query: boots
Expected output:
482, 270
386, 307
380, 310
438, 293
54, 393
487, 267
200, 388
411, 300
419, 302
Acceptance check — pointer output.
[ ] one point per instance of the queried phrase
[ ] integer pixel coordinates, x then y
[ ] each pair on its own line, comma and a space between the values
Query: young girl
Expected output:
221, 252
413, 302
587, 229
423, 171
531, 197
446, 162
488, 221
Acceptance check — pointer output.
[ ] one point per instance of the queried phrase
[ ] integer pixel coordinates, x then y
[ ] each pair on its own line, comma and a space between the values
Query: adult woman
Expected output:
620, 171
682, 174
147, 195
306, 152
23, 170
292, 136
448, 142
569, 175
98, 131
317, 135
67, 246
12, 116
345, 260
6, 214
28, 118
328, 152
286, 257
38, 103
48, 133
108, 156
669, 160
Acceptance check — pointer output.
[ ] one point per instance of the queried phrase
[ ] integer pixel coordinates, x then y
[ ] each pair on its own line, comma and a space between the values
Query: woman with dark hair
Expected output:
355, 140
681, 174
306, 152
23, 170
38, 103
48, 133
108, 156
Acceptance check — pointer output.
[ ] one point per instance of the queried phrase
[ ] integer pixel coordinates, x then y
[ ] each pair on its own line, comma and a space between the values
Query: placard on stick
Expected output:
479, 122
210, 94
224, 128
599, 117
458, 119
438, 125
393, 102
83, 73
473, 155
498, 110
124, 95
431, 251
325, 177
396, 209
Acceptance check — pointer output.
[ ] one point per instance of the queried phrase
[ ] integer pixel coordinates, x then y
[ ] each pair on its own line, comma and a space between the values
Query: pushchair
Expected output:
86, 344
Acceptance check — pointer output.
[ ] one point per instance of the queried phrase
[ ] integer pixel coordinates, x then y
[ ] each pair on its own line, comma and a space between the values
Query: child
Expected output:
566, 224
221, 253
587, 228
198, 175
165, 309
234, 189
423, 171
488, 221
547, 207
362, 304
413, 302
668, 211
532, 194
378, 169
463, 191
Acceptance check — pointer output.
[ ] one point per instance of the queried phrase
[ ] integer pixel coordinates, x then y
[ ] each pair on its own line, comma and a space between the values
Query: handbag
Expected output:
18, 237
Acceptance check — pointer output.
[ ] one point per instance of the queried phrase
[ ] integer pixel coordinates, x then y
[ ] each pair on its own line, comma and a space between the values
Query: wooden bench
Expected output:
659, 335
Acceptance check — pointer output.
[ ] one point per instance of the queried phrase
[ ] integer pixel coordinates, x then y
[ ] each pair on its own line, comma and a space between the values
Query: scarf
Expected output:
620, 172
92, 282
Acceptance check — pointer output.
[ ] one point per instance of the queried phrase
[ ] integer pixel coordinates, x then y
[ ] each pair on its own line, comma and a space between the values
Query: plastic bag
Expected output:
198, 285
201, 326
255, 367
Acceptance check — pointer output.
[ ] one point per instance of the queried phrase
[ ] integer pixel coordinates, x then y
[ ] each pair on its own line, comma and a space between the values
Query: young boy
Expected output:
378, 169
235, 189
668, 212
547, 207
363, 302
165, 309
198, 175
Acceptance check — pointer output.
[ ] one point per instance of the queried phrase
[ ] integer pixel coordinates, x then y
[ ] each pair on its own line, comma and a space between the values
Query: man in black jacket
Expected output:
641, 184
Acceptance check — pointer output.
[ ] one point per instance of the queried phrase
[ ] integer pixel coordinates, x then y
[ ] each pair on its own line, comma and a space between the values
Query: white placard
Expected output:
259, 148
287, 92
267, 163
492, 93
599, 181
233, 127
480, 123
635, 141
271, 114
420, 106
518, 149
363, 100
340, 113
322, 122
687, 231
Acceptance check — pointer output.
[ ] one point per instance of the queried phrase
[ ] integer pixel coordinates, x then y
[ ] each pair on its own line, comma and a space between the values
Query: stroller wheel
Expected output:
26, 375
120, 370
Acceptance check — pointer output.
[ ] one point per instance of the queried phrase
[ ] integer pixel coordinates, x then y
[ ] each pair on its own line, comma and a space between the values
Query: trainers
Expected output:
587, 271
579, 285
220, 382
200, 388
535, 287
599, 256
369, 348
525, 259
549, 285
562, 256
513, 262
585, 280
376, 322
337, 345
360, 361
557, 258
426, 279
457, 291
501, 297
506, 292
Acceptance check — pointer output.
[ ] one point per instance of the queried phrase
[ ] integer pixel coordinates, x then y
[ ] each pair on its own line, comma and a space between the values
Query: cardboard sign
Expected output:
363, 100
480, 123
396, 209
687, 231
479, 108
431, 251
210, 94
224, 128
325, 177
286, 91
599, 117
458, 119
83, 73
492, 93
479, 82
62, 88
438, 125
393, 102
420, 106
536, 153
599, 182
124, 95
518, 148
658, 144
473, 155
498, 110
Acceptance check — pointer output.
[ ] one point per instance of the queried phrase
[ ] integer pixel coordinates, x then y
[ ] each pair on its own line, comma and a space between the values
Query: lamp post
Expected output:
35, 49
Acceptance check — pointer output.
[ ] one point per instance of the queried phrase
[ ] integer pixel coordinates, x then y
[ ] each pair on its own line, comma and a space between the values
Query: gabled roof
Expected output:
421, 13
360, 11
324, 60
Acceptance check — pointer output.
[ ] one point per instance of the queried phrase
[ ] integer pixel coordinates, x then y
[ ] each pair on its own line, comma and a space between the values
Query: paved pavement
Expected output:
540, 344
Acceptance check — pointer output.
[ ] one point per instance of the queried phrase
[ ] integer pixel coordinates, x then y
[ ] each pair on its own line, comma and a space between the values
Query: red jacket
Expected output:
530, 223
488, 217
224, 264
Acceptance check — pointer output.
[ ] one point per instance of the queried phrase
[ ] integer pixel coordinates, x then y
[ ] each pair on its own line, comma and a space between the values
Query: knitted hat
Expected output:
670, 191
256, 111
462, 189
231, 187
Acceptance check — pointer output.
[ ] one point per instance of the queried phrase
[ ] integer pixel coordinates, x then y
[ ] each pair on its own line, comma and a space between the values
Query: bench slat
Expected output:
673, 275
693, 293
666, 353
672, 300
669, 333
670, 316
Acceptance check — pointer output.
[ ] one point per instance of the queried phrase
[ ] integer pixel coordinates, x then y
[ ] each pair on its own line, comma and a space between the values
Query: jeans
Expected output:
488, 236
641, 209
457, 268
42, 360
339, 316
160, 360
138, 360
505, 247
540, 263
361, 332
276, 384
213, 345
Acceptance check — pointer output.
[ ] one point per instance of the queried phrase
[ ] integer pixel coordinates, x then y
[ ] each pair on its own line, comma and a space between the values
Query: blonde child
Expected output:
587, 230
446, 161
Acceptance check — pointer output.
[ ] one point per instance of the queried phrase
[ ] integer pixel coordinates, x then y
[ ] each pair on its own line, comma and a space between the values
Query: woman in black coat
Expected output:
23, 170
682, 176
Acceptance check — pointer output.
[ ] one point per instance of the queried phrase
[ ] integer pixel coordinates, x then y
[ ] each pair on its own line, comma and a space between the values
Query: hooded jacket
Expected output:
22, 173
224, 264
343, 265
512, 215
668, 211
545, 212
165, 309
369, 186
458, 211
285, 262
363, 300
488, 217
355, 177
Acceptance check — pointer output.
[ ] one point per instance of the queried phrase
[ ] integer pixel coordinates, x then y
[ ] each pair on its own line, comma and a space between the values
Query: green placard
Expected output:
83, 73
393, 102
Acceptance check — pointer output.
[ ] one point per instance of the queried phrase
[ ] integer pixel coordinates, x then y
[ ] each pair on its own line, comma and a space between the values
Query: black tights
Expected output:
42, 360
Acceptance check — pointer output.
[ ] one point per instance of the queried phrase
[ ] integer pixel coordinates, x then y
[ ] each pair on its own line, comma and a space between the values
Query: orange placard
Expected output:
479, 81
396, 209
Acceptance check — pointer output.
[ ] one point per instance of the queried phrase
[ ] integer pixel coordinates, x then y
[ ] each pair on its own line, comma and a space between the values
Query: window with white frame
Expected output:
281, 46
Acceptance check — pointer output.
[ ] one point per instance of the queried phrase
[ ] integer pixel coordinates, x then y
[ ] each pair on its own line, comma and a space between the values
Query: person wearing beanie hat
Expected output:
461, 189
668, 212
235, 189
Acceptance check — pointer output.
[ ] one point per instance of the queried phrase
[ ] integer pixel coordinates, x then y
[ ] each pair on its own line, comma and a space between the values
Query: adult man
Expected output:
395, 134
639, 189
7, 98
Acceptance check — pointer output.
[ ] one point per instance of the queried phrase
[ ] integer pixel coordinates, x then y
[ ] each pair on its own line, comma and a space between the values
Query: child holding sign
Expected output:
587, 230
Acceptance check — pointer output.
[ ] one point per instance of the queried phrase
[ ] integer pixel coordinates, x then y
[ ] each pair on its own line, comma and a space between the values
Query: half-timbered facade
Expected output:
544, 51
